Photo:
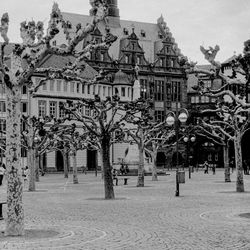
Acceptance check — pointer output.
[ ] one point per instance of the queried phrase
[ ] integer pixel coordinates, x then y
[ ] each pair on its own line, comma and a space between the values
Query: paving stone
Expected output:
205, 216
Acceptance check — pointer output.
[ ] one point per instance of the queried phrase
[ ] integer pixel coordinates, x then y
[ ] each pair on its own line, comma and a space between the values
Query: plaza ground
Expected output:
63, 215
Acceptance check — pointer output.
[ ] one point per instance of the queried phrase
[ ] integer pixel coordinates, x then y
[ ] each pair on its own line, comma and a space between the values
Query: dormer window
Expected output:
126, 59
160, 35
143, 33
125, 31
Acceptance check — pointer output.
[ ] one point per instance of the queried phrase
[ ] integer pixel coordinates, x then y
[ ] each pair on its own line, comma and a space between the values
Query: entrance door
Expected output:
92, 159
59, 161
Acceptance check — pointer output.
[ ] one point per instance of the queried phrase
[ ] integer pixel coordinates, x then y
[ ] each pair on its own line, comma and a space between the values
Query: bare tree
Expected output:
232, 109
102, 123
17, 69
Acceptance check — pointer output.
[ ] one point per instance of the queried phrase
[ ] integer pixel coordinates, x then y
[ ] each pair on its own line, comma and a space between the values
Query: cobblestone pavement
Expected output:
62, 215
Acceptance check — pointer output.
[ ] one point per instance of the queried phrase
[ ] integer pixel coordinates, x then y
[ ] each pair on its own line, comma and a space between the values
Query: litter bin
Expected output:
181, 176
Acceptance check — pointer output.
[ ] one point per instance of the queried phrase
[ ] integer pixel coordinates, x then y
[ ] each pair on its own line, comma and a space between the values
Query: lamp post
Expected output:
174, 119
187, 140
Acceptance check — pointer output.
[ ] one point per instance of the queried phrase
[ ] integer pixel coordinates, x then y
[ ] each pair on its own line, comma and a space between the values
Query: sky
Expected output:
191, 22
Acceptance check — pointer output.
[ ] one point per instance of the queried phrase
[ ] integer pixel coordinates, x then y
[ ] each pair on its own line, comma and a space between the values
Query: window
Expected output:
78, 87
125, 31
83, 88
94, 89
58, 85
216, 157
102, 57
209, 157
145, 91
41, 108
45, 86
139, 60
2, 106
87, 111
24, 90
126, 59
109, 91
2, 125
61, 110
72, 87
88, 89
52, 82
104, 91
24, 107
159, 115
128, 92
65, 86
160, 35
143, 33
161, 62
159, 90
175, 91
123, 91
52, 109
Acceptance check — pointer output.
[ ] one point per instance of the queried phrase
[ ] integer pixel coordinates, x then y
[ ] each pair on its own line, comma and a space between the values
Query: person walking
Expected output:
205, 165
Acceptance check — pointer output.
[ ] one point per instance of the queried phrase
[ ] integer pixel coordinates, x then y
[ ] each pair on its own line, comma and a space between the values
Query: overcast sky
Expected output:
192, 22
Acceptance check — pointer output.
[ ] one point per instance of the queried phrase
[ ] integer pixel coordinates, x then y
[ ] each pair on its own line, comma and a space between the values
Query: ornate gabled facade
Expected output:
146, 49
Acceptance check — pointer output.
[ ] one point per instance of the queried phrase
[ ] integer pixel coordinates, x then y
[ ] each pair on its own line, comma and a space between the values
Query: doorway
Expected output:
92, 160
59, 161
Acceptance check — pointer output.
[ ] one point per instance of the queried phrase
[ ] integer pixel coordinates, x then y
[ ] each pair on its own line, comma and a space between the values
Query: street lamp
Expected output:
174, 119
187, 140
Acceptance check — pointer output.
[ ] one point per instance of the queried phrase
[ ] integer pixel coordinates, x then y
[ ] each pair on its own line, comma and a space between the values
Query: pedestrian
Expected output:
2, 172
205, 166
26, 173
213, 168
245, 166
114, 175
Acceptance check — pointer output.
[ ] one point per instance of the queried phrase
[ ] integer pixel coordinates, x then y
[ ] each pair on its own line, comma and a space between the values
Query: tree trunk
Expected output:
101, 155
226, 162
107, 171
41, 163
36, 165
31, 165
15, 212
154, 169
75, 178
140, 180
238, 163
65, 163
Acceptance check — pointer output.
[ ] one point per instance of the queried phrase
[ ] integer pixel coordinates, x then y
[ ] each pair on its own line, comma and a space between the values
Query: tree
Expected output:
214, 134
138, 114
17, 69
231, 107
102, 122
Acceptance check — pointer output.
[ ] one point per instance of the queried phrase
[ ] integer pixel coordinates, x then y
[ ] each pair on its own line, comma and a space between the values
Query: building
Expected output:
205, 149
148, 47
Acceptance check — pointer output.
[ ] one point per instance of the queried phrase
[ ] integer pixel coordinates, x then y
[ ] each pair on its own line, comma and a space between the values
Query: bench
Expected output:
1, 209
124, 178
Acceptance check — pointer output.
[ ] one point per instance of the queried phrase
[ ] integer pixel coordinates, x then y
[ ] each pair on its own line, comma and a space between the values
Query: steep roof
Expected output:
151, 31
56, 61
